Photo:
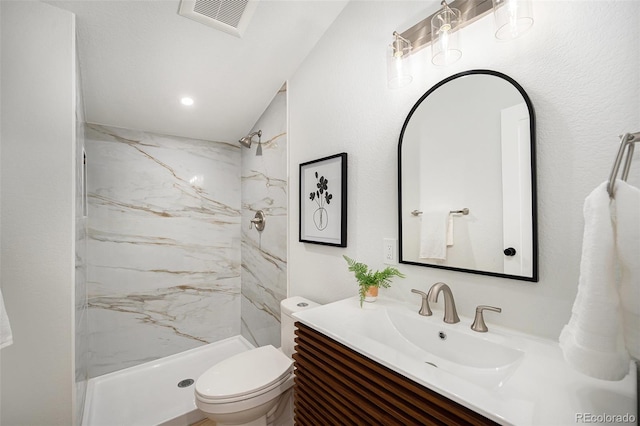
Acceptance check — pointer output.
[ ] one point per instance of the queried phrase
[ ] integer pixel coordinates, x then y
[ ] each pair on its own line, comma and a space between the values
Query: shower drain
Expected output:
185, 383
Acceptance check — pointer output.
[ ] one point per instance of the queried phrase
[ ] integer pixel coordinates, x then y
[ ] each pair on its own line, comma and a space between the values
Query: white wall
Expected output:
579, 65
37, 218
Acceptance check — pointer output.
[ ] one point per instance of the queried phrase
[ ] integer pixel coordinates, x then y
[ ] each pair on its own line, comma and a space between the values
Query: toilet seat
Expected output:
244, 376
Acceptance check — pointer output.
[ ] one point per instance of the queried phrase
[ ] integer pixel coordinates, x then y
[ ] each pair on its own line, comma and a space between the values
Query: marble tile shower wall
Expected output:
163, 245
264, 255
81, 317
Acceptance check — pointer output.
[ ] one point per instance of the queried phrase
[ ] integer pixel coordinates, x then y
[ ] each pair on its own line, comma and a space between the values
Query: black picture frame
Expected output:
323, 201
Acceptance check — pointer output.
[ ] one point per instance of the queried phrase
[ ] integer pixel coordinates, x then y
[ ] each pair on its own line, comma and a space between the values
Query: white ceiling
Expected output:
138, 58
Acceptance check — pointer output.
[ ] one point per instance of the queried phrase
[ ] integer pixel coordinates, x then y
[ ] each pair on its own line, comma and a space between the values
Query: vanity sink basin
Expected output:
487, 360
427, 343
452, 343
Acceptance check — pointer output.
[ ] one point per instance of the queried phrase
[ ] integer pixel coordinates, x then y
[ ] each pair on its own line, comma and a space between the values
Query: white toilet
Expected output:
250, 388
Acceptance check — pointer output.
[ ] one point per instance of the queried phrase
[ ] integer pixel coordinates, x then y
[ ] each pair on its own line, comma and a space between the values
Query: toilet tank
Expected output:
287, 308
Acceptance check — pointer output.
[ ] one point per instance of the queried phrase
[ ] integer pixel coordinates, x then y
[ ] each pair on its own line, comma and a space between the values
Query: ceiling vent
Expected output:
230, 16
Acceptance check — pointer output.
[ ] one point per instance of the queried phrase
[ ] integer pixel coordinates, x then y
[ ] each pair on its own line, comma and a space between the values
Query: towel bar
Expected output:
464, 211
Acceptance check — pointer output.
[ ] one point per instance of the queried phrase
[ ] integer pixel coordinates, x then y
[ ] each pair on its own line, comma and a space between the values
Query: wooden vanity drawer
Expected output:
335, 385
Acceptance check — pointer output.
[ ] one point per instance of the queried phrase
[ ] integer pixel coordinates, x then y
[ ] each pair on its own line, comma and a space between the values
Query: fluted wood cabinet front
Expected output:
335, 385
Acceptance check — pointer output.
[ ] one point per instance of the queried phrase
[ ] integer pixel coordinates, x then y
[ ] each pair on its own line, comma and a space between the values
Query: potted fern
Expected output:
369, 281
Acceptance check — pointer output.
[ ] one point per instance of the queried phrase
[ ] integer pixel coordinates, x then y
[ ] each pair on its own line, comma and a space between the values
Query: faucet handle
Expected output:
259, 220
425, 310
478, 322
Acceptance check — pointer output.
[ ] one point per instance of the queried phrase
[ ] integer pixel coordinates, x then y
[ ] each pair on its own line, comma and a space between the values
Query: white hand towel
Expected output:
6, 337
627, 217
433, 234
450, 230
592, 342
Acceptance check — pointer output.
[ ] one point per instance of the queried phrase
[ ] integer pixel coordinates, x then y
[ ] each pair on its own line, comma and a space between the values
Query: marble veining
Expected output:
274, 260
264, 255
169, 242
178, 309
269, 181
163, 245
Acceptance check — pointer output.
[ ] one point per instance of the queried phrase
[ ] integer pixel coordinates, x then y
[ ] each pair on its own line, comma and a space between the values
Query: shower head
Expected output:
246, 141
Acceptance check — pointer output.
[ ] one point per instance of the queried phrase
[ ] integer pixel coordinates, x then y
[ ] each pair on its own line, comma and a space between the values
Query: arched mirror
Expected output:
466, 177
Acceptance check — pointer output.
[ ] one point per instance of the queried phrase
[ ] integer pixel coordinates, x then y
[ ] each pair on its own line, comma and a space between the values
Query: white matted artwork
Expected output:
323, 201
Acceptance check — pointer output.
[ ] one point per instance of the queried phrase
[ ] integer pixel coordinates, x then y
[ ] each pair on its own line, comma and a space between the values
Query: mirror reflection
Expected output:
467, 178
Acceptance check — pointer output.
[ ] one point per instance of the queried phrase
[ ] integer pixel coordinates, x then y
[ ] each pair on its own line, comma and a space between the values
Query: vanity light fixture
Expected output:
445, 37
441, 31
512, 18
399, 62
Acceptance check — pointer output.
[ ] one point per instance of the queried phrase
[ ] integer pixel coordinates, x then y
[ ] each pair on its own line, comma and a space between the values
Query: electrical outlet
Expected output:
389, 251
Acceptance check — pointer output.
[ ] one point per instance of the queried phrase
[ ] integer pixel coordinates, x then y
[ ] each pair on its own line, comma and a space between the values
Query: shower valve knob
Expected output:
259, 220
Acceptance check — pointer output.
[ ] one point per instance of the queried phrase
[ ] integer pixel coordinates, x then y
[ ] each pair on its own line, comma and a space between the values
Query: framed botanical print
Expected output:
323, 201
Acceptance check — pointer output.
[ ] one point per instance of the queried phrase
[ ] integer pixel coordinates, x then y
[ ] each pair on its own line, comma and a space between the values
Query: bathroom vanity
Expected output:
336, 385
385, 364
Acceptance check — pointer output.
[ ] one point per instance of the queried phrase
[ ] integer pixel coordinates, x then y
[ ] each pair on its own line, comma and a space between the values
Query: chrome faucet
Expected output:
450, 313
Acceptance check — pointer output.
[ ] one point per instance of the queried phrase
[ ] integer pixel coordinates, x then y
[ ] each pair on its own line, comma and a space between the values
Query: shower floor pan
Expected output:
149, 395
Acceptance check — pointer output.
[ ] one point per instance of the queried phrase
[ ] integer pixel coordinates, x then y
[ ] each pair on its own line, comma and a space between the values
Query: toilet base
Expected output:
279, 413
283, 415
246, 417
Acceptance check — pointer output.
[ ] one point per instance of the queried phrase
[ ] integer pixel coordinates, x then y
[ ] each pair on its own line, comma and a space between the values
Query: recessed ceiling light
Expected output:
187, 101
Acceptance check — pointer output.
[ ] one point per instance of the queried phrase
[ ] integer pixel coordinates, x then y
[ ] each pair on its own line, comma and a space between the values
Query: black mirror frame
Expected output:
535, 276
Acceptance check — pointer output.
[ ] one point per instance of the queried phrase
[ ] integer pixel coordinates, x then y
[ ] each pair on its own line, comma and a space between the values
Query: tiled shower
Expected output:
264, 254
171, 261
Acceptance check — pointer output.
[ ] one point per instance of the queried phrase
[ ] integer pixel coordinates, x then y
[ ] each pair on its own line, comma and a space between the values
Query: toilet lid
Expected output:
245, 373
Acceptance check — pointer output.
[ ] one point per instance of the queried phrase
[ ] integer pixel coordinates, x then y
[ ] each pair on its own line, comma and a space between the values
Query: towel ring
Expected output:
627, 143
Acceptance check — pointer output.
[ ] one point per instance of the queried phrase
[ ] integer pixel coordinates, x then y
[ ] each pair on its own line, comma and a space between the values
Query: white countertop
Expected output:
541, 390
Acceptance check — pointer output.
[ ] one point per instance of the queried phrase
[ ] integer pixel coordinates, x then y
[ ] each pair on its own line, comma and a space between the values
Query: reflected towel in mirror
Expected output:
433, 234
